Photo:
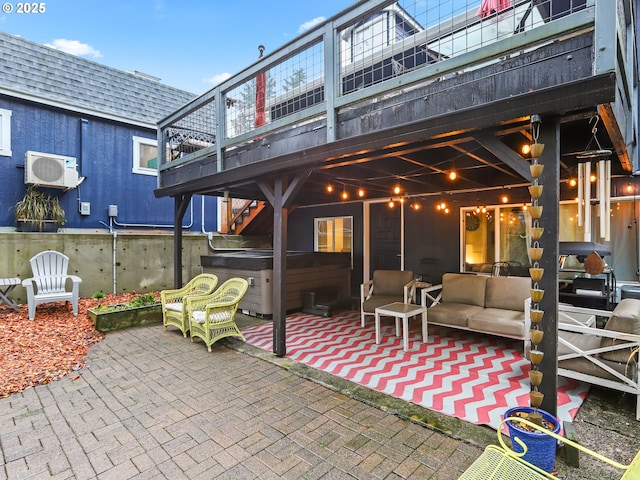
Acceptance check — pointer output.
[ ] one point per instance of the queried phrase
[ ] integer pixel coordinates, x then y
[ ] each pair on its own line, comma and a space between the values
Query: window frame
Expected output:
138, 142
316, 223
5, 132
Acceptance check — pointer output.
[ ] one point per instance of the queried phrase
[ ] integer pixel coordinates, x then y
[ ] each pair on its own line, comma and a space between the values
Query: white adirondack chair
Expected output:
50, 281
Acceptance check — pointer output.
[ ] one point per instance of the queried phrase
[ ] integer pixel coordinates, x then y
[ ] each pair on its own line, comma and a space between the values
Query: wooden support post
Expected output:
280, 196
280, 216
180, 207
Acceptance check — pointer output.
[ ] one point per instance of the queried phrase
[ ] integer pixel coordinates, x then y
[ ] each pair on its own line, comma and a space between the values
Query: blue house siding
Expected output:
104, 153
63, 104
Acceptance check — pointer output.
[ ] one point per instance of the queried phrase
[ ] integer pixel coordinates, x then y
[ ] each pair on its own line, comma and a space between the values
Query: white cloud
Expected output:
219, 78
310, 24
74, 47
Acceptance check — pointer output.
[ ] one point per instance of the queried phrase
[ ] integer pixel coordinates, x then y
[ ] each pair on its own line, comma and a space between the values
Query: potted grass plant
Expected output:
38, 212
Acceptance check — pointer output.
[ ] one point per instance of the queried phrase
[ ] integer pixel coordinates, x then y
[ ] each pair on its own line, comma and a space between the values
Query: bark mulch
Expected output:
51, 346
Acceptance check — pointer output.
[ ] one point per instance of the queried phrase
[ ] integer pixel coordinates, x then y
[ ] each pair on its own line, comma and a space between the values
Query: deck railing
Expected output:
373, 49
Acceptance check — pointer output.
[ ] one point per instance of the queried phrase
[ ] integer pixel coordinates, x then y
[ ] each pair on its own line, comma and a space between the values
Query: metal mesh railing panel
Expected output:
287, 87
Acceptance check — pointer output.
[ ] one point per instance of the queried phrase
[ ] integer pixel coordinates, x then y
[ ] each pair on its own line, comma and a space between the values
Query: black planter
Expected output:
37, 225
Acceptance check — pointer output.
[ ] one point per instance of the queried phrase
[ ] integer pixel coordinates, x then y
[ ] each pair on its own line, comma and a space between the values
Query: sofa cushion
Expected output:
391, 282
584, 342
508, 293
454, 314
507, 323
626, 319
376, 301
464, 289
582, 365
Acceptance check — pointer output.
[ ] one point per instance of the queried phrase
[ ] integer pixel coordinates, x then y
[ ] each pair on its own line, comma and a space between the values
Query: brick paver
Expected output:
150, 404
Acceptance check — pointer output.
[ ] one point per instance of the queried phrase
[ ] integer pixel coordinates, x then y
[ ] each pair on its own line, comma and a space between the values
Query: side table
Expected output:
403, 311
6, 286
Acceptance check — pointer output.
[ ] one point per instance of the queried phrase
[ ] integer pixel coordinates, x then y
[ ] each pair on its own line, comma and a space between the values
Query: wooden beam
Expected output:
617, 139
504, 153
195, 179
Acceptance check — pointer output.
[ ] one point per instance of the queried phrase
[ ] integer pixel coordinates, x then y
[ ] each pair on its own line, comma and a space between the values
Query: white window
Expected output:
334, 234
5, 132
145, 156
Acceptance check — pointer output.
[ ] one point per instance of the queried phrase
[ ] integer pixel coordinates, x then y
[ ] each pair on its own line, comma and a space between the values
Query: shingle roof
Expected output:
33, 71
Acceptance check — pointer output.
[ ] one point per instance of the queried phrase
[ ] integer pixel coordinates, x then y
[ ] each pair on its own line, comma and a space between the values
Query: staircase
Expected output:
248, 217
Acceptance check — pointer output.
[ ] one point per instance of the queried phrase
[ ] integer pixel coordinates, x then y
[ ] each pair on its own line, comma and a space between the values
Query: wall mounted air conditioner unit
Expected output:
48, 170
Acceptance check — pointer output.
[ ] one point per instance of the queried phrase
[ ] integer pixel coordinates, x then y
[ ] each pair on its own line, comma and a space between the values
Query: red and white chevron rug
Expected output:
461, 374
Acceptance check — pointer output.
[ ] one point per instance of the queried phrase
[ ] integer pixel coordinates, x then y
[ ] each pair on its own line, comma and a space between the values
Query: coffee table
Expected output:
403, 311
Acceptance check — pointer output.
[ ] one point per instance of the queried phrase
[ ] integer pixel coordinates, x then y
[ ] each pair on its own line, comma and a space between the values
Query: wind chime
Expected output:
603, 186
535, 272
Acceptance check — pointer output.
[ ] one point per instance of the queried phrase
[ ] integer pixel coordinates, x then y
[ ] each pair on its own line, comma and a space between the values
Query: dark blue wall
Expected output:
300, 229
104, 151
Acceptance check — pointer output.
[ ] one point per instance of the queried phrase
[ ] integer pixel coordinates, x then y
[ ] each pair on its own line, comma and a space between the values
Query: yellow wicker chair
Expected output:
174, 307
212, 317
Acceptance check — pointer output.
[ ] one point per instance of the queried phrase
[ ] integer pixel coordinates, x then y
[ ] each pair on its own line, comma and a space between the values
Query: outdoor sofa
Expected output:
479, 303
607, 356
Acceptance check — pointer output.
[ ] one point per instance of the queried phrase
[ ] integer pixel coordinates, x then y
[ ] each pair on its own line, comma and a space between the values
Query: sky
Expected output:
188, 44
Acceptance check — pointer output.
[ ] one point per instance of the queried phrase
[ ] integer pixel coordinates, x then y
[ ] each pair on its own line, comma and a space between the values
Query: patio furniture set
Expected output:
500, 306
203, 311
492, 305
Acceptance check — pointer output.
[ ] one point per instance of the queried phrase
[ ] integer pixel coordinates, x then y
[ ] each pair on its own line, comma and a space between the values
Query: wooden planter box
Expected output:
106, 321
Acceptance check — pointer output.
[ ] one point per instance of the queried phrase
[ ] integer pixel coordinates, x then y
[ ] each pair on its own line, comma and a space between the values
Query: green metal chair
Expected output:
174, 307
212, 317
502, 463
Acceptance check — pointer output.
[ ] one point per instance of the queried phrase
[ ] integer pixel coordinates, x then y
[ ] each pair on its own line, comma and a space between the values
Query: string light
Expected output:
345, 195
361, 192
396, 189
442, 207
453, 175
526, 149
391, 203
573, 182
329, 188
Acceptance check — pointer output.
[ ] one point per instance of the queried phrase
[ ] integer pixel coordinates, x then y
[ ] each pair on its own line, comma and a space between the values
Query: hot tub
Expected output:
305, 271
